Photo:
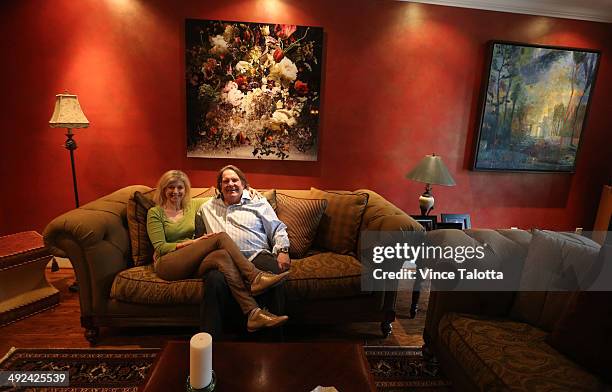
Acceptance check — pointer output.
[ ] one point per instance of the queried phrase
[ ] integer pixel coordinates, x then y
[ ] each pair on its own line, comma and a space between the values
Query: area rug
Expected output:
398, 369
395, 369
103, 370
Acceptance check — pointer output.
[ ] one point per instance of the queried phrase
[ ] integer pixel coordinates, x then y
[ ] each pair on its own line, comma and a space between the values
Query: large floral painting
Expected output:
253, 90
535, 108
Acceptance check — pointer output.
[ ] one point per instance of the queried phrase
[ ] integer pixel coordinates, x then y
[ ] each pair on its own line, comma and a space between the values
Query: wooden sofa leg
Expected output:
92, 334
385, 327
427, 353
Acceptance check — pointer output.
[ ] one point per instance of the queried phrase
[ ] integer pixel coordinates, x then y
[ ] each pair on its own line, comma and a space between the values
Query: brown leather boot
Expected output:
261, 318
266, 280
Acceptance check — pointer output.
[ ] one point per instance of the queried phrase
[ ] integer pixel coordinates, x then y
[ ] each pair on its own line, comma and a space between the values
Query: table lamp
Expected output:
430, 170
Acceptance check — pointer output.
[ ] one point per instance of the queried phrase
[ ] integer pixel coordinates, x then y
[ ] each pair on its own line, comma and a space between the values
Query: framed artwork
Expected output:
253, 90
449, 225
463, 219
535, 104
427, 221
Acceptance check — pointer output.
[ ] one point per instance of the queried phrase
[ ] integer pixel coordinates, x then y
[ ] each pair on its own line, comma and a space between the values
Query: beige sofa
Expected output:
498, 341
324, 287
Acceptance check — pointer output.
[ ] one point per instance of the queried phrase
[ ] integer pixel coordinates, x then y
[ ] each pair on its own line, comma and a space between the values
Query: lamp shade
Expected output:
431, 170
68, 113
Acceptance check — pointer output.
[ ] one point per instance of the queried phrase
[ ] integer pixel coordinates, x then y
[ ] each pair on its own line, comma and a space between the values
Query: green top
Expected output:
166, 234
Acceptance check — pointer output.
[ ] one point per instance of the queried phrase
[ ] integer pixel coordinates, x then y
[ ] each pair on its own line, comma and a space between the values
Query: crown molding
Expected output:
591, 10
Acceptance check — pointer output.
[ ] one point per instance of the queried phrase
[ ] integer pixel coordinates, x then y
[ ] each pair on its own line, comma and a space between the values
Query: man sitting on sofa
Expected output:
253, 225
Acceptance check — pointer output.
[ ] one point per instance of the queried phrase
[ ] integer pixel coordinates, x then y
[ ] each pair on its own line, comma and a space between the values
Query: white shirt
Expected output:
252, 224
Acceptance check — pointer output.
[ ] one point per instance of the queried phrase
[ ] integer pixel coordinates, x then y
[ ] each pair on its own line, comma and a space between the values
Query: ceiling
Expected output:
593, 10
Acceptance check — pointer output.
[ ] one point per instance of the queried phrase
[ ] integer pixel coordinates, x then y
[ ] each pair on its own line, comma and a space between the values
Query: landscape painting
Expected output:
253, 90
536, 104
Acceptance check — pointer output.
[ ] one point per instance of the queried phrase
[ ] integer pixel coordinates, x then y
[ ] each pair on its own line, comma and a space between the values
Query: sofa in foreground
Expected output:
107, 245
527, 340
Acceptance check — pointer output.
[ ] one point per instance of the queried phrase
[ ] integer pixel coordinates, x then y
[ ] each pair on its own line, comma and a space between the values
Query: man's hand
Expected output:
284, 262
255, 194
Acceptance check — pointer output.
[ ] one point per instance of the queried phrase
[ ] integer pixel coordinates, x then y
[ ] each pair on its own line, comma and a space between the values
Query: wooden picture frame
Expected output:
449, 225
534, 107
427, 221
463, 219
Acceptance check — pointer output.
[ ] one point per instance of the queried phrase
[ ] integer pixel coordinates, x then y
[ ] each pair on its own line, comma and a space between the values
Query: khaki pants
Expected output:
217, 252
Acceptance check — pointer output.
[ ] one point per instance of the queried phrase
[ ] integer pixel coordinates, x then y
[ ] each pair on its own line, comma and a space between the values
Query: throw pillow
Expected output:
207, 192
555, 266
137, 208
302, 217
270, 195
584, 331
339, 227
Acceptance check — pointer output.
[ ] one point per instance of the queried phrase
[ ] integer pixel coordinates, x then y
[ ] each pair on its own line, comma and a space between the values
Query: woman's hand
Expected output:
185, 243
205, 236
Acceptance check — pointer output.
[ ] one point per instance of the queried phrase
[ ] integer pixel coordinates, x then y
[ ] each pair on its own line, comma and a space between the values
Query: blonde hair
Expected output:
165, 180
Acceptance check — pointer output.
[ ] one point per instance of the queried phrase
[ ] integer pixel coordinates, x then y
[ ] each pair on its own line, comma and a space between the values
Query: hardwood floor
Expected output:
61, 327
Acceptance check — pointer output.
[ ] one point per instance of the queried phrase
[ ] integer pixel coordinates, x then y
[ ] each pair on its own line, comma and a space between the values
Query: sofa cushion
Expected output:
508, 355
137, 208
324, 275
302, 217
141, 285
339, 227
556, 265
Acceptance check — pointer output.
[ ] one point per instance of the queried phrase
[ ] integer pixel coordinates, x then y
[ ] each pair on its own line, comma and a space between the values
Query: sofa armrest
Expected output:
382, 216
95, 238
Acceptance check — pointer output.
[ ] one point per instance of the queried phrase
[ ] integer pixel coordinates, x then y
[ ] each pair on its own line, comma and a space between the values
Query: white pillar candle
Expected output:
200, 360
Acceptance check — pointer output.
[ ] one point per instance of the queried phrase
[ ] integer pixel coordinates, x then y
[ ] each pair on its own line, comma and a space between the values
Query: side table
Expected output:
24, 289
429, 222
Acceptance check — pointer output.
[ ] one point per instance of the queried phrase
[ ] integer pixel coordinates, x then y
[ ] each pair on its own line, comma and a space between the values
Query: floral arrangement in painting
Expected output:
253, 90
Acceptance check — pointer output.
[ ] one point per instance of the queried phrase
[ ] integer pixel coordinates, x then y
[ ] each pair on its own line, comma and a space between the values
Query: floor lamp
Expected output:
68, 114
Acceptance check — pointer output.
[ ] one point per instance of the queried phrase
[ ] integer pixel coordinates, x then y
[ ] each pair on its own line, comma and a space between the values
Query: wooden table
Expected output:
268, 367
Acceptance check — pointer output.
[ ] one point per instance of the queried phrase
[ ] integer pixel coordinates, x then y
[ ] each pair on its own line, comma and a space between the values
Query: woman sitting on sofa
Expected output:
171, 227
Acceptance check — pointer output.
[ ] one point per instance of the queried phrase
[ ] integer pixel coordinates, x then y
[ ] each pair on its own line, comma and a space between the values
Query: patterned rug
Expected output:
104, 370
398, 369
395, 369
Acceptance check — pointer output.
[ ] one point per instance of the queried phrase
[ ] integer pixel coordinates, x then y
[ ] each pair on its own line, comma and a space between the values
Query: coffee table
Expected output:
268, 367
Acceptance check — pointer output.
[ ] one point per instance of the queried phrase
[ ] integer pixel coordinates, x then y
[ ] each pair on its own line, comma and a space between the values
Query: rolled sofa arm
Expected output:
95, 238
383, 216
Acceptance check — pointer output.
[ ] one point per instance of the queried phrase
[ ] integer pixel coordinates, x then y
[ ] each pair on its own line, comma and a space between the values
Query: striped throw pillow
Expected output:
137, 208
302, 217
339, 227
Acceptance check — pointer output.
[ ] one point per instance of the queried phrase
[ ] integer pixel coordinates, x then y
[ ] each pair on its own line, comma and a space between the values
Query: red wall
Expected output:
401, 80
